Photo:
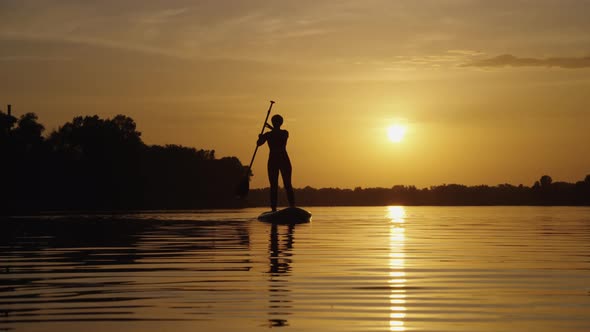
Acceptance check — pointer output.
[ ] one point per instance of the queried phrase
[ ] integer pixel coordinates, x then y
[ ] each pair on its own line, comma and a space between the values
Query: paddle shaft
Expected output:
261, 132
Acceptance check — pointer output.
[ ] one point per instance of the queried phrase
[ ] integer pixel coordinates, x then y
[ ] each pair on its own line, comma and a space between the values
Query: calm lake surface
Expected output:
350, 269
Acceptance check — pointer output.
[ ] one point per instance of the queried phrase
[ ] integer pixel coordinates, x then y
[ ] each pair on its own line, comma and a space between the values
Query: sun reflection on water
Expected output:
397, 275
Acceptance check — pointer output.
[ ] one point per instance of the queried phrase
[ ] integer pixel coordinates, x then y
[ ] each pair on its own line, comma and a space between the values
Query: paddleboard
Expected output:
290, 215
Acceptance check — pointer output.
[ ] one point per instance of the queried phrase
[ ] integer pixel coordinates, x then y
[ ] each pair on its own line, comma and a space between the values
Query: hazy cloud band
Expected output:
513, 61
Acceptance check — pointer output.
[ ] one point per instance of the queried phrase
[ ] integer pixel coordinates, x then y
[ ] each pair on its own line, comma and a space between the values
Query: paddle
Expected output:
244, 186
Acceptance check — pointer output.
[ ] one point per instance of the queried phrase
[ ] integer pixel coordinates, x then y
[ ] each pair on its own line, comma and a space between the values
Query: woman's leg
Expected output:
286, 171
273, 178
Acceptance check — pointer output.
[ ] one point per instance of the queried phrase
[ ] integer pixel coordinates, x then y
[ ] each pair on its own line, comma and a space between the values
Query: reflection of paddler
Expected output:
278, 160
278, 265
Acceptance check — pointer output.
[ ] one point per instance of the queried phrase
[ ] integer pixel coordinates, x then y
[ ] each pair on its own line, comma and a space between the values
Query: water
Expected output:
351, 269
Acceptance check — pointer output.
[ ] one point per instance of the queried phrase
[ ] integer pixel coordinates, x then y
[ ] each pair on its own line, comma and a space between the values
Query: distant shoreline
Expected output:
544, 192
93, 165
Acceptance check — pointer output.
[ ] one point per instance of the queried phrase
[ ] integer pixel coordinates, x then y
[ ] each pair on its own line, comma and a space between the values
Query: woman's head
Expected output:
277, 121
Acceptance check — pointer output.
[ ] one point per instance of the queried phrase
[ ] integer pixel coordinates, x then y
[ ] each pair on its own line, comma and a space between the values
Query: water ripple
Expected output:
351, 269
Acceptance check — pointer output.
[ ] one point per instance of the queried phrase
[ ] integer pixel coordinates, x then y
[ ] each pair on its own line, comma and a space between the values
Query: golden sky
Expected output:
489, 91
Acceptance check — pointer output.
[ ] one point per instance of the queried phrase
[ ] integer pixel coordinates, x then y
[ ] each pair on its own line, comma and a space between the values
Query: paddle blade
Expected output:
243, 187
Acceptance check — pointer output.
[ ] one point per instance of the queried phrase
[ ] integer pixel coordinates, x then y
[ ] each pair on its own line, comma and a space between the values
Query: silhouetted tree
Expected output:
28, 131
179, 177
98, 161
23, 150
545, 181
92, 163
583, 191
6, 124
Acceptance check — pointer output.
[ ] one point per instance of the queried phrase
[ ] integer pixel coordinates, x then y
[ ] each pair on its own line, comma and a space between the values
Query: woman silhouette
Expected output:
278, 160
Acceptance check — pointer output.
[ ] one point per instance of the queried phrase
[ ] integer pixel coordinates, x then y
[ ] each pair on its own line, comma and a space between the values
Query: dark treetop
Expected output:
102, 164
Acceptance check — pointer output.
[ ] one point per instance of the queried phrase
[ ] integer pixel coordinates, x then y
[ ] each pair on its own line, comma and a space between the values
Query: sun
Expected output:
396, 133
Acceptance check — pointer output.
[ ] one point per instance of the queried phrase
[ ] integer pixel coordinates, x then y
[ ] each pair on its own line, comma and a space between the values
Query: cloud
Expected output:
35, 58
449, 59
513, 61
161, 16
94, 42
466, 52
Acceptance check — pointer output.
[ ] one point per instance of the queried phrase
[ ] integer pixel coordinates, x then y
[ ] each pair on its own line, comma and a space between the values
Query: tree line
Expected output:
93, 164
542, 192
